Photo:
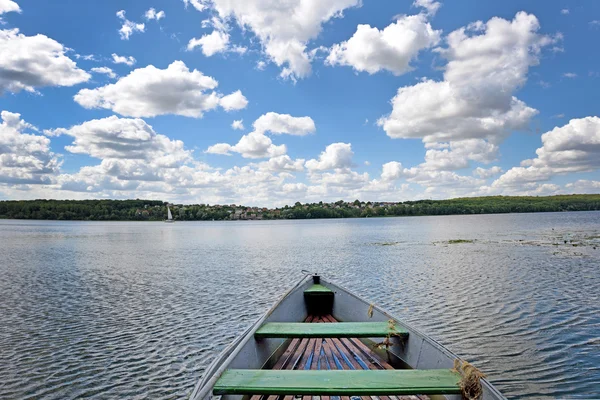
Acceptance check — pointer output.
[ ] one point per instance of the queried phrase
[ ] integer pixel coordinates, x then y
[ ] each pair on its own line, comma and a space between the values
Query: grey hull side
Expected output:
245, 351
418, 351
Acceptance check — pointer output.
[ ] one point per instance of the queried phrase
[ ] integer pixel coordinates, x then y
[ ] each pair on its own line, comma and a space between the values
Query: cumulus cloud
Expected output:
149, 91
29, 62
86, 57
487, 62
123, 138
583, 186
391, 49
25, 158
574, 147
430, 6
252, 145
485, 173
570, 75
257, 145
7, 6
128, 60
433, 179
284, 29
458, 154
104, 70
283, 163
564, 11
294, 188
391, 171
284, 124
233, 101
153, 14
197, 4
211, 44
219, 148
238, 124
128, 28
336, 155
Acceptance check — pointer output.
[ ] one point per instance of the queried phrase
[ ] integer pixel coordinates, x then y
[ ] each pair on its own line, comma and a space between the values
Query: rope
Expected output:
470, 382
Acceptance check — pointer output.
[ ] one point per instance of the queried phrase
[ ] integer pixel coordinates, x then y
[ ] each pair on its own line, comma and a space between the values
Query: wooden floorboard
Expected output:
334, 354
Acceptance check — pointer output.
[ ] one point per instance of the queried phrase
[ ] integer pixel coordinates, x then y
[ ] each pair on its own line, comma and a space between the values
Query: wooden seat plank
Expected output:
318, 288
331, 330
349, 382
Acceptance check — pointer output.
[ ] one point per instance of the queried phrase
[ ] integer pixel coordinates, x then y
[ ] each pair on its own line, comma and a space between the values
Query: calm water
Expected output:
138, 310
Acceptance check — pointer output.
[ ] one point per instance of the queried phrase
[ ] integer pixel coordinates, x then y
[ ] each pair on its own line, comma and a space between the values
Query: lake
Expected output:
139, 309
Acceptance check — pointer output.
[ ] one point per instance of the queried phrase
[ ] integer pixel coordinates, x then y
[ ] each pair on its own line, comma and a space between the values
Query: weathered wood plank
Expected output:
350, 382
332, 330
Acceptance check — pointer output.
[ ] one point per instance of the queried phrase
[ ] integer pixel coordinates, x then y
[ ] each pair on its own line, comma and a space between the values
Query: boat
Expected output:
169, 215
321, 340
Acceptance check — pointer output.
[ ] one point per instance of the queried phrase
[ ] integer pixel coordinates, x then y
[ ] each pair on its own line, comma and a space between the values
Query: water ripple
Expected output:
138, 310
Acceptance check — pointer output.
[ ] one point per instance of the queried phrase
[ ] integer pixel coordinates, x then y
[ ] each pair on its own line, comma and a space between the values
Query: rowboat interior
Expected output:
322, 342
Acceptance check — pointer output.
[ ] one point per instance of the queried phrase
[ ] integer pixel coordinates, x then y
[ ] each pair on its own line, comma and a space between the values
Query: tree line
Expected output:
156, 210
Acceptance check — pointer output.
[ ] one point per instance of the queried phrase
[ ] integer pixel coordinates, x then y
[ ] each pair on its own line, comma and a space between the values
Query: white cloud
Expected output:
153, 14
233, 101
570, 75
7, 6
257, 145
458, 154
284, 29
284, 124
261, 65
564, 11
487, 173
28, 62
336, 155
215, 22
104, 70
128, 28
574, 147
295, 188
24, 158
238, 124
430, 6
433, 179
86, 57
219, 148
241, 50
252, 145
391, 171
197, 4
128, 60
215, 42
149, 91
486, 64
123, 138
391, 49
584, 186
283, 163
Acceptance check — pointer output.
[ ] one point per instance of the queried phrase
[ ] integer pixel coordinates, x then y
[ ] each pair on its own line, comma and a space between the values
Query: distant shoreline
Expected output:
156, 221
155, 210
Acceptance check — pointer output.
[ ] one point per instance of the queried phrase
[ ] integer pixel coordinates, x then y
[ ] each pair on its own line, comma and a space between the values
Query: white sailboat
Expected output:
169, 215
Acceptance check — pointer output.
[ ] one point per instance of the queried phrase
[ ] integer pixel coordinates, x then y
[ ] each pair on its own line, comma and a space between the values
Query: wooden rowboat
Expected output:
299, 348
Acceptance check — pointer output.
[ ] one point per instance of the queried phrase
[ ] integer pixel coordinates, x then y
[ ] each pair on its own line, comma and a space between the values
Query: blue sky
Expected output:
386, 100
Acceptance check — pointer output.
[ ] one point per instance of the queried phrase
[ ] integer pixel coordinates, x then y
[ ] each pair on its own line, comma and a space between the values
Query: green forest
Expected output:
155, 210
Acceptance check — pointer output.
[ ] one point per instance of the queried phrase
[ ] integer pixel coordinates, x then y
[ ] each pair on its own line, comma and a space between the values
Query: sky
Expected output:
269, 102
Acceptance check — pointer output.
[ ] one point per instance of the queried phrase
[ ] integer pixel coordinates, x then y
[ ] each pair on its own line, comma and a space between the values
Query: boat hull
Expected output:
418, 351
